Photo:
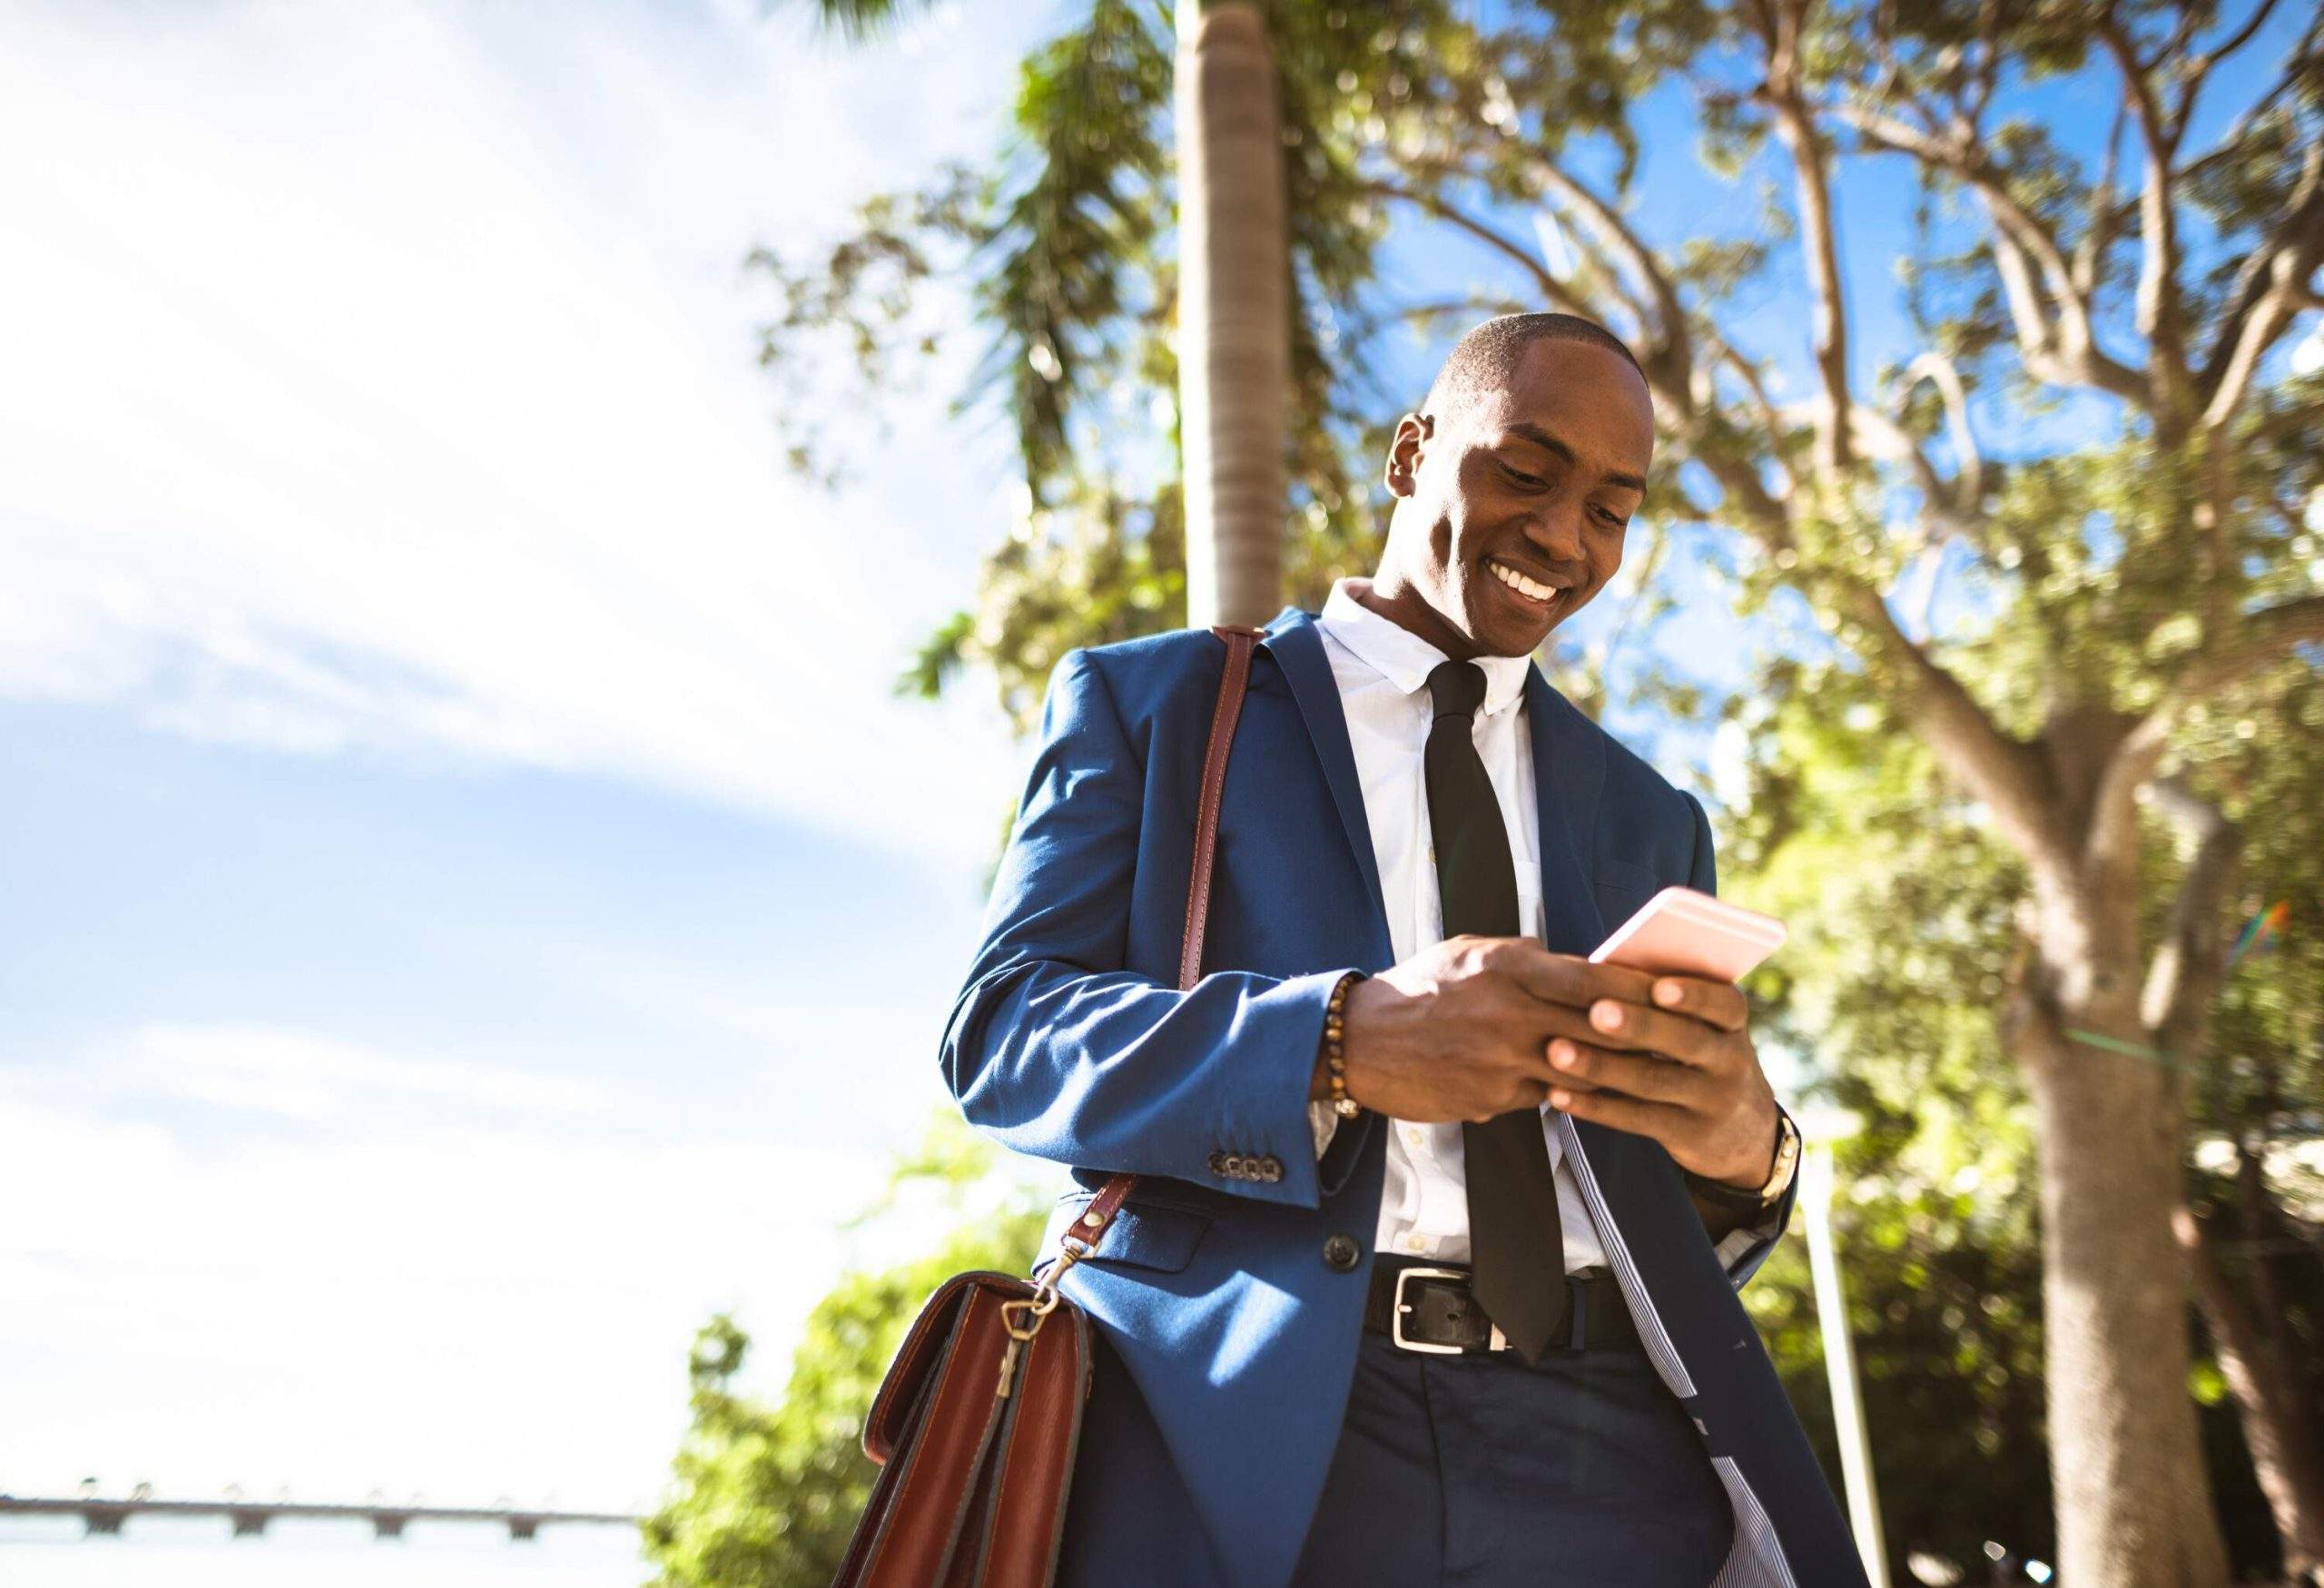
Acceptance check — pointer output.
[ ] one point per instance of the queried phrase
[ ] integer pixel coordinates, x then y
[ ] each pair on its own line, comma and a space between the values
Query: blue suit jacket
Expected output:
1071, 1042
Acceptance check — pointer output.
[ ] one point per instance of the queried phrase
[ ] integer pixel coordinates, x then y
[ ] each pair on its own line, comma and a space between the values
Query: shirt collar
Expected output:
1404, 658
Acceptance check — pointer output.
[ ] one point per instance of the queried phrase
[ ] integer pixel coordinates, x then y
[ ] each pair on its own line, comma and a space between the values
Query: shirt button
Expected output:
1413, 1243
1415, 1137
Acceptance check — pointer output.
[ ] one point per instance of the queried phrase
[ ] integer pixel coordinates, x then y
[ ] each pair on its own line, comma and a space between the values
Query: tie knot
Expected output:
1457, 688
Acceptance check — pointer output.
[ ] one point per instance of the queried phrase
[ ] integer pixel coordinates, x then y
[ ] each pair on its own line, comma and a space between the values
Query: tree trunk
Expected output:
2132, 1494
2266, 1384
1233, 327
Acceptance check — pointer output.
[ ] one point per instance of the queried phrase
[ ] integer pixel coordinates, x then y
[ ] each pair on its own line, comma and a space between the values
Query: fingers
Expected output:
1661, 1121
1715, 1004
1674, 1036
1582, 1067
1563, 979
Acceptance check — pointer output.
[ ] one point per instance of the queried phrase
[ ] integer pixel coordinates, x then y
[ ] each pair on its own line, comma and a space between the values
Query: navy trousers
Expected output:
1476, 1471
1480, 1471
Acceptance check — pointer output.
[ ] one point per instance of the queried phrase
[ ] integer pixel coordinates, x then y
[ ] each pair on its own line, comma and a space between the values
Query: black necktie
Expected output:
1517, 1245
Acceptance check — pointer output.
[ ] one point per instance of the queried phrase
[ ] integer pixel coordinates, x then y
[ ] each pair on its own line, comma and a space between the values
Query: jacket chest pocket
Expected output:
1621, 888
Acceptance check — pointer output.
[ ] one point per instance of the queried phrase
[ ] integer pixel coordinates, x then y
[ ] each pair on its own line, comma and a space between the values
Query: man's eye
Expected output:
1611, 520
1518, 477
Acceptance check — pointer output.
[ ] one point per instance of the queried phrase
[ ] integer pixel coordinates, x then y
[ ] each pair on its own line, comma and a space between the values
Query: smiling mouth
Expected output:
1524, 585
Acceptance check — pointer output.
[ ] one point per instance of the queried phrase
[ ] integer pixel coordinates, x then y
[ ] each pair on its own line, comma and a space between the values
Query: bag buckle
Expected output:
1022, 1319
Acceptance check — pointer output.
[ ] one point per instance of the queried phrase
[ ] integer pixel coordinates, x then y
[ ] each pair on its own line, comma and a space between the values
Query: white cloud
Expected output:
372, 381
300, 1075
477, 1305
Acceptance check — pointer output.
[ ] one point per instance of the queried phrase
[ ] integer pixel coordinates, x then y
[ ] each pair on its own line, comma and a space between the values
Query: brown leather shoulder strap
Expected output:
1096, 1219
1223, 718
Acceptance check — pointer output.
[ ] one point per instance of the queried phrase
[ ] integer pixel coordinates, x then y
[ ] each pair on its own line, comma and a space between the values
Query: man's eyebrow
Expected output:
1541, 437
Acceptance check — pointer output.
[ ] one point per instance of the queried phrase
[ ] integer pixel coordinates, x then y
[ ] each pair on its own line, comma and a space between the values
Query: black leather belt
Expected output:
1427, 1306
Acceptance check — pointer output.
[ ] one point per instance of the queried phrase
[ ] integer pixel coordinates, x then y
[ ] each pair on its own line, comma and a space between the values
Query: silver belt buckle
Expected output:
1396, 1316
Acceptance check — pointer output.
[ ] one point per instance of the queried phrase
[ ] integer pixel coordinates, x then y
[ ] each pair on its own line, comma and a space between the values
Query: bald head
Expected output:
1487, 358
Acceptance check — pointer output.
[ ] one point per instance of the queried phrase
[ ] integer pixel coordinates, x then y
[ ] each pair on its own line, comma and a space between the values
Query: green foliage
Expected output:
1936, 1218
767, 1496
1848, 831
859, 20
2263, 761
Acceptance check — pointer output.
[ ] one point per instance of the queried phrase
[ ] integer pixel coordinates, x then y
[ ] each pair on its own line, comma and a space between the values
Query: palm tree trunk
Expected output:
1234, 330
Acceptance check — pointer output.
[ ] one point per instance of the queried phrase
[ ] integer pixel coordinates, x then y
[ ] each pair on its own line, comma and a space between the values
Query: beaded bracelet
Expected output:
1335, 1060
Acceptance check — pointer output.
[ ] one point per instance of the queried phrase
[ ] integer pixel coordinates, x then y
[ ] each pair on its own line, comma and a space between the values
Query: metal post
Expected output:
1839, 1363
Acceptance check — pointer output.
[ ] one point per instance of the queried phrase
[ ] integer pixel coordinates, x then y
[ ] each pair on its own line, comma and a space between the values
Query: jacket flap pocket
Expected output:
1143, 1235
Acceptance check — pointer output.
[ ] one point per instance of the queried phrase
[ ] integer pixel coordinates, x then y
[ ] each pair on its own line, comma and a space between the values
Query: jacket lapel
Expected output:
1297, 646
1569, 766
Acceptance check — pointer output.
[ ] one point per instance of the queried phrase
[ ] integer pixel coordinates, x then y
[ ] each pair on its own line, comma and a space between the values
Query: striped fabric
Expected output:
1755, 1559
1657, 1339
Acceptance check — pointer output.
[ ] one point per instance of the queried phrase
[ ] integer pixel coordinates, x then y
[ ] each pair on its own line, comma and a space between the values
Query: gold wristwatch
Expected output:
1744, 1200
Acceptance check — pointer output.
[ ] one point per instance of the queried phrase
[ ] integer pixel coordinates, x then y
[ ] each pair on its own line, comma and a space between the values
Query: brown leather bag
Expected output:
976, 1424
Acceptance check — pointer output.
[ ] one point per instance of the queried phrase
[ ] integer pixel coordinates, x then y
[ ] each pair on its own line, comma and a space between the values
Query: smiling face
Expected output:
1512, 505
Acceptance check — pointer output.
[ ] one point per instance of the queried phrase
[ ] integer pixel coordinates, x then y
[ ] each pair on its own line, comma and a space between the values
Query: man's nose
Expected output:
1556, 530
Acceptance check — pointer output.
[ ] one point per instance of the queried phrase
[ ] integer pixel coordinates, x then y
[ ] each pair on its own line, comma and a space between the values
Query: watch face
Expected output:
1786, 1157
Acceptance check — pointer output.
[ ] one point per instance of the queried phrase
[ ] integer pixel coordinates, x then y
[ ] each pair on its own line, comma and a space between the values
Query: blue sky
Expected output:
473, 903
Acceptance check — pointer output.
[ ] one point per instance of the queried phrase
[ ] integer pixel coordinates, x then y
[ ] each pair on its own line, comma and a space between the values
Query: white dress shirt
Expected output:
1383, 669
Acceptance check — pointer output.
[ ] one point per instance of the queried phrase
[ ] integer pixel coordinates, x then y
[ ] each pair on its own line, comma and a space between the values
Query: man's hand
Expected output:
1474, 1027
1454, 1032
1680, 1069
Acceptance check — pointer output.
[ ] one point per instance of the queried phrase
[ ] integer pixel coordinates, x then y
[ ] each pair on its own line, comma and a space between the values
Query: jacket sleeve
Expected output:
1054, 1049
1740, 1251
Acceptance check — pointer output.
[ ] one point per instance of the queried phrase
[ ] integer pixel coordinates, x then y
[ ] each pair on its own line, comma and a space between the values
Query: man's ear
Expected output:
1413, 431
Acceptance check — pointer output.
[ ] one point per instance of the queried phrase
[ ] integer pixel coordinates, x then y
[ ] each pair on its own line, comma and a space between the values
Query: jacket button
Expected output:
1219, 1163
1270, 1169
1342, 1252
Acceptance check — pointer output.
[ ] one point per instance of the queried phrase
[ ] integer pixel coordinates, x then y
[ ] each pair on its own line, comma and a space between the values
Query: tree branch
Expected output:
2274, 285
1554, 290
1958, 504
1833, 451
1755, 386
1616, 233
2006, 772
2199, 68
2184, 972
2266, 1383
1489, 306
1819, 244
2090, 253
2063, 354
2254, 642
2161, 318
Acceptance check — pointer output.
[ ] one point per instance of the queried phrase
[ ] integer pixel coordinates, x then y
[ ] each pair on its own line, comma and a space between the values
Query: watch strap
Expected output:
1749, 1199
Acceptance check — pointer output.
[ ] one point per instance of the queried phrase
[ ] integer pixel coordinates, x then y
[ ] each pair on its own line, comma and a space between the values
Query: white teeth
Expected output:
1520, 583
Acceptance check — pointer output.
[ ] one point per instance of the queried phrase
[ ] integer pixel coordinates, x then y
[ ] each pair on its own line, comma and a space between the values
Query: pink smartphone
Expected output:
1687, 934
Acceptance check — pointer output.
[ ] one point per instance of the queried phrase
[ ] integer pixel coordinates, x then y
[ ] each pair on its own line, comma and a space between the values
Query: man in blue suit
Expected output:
1431, 1274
